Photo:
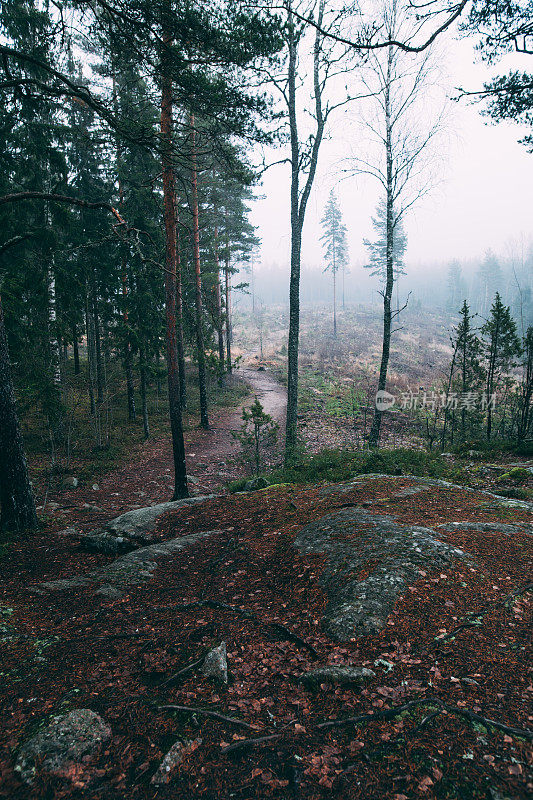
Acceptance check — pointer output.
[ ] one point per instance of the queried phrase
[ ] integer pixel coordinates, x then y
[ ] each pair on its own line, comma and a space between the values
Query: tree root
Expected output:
207, 713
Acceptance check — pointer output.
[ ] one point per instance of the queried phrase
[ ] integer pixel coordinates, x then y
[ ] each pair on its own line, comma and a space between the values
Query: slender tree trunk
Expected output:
227, 293
144, 404
91, 369
373, 438
169, 213
128, 365
491, 372
298, 208
334, 303
16, 496
218, 299
76, 350
179, 315
97, 343
204, 421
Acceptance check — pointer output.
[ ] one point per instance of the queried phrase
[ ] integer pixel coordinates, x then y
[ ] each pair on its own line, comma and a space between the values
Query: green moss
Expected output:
342, 465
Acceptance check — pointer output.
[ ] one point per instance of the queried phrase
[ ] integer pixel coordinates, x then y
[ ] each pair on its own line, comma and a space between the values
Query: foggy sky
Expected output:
483, 199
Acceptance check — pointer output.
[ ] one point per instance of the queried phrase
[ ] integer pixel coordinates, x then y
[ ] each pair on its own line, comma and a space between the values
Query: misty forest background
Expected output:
133, 141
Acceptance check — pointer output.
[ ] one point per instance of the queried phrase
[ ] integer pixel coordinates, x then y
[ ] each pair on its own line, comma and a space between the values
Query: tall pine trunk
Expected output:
204, 421
218, 299
179, 315
97, 342
91, 369
169, 213
144, 404
76, 349
334, 302
128, 363
16, 496
227, 296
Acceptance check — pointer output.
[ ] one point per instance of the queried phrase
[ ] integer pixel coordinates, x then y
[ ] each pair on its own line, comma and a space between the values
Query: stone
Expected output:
337, 674
352, 538
215, 664
133, 529
65, 747
255, 483
173, 759
68, 532
130, 569
71, 481
96, 488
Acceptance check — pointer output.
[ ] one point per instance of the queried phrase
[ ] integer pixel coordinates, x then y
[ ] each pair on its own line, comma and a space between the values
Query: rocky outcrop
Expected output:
128, 570
134, 528
388, 554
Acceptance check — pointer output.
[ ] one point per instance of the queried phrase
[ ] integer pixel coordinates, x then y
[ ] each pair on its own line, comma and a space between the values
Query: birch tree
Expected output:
398, 82
303, 39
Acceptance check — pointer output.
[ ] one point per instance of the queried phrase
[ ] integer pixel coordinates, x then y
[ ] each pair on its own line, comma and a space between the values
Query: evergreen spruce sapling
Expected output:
335, 246
257, 432
502, 347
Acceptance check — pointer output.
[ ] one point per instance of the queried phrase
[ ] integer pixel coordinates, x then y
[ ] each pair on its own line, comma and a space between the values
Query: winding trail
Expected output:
147, 477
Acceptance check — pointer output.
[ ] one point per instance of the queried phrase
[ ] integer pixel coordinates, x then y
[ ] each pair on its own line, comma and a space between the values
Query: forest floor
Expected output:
439, 575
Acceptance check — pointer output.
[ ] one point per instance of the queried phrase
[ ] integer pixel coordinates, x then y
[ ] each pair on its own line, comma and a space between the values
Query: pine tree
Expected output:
377, 249
335, 246
502, 347
470, 373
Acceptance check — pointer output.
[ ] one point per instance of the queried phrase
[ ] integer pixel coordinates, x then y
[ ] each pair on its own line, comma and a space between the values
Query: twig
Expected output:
246, 743
181, 672
205, 713
293, 637
390, 713
386, 713
470, 623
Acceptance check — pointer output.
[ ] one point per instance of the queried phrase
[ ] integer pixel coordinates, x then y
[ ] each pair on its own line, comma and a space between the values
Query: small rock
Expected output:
65, 747
52, 506
215, 664
89, 507
95, 487
255, 483
173, 759
342, 676
68, 532
71, 481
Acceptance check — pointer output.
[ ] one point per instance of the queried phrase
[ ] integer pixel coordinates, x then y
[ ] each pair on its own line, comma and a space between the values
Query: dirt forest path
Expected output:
147, 477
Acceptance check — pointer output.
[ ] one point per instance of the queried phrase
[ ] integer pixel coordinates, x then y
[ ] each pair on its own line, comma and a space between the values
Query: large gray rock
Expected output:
127, 570
215, 664
354, 538
508, 529
134, 528
65, 747
337, 674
